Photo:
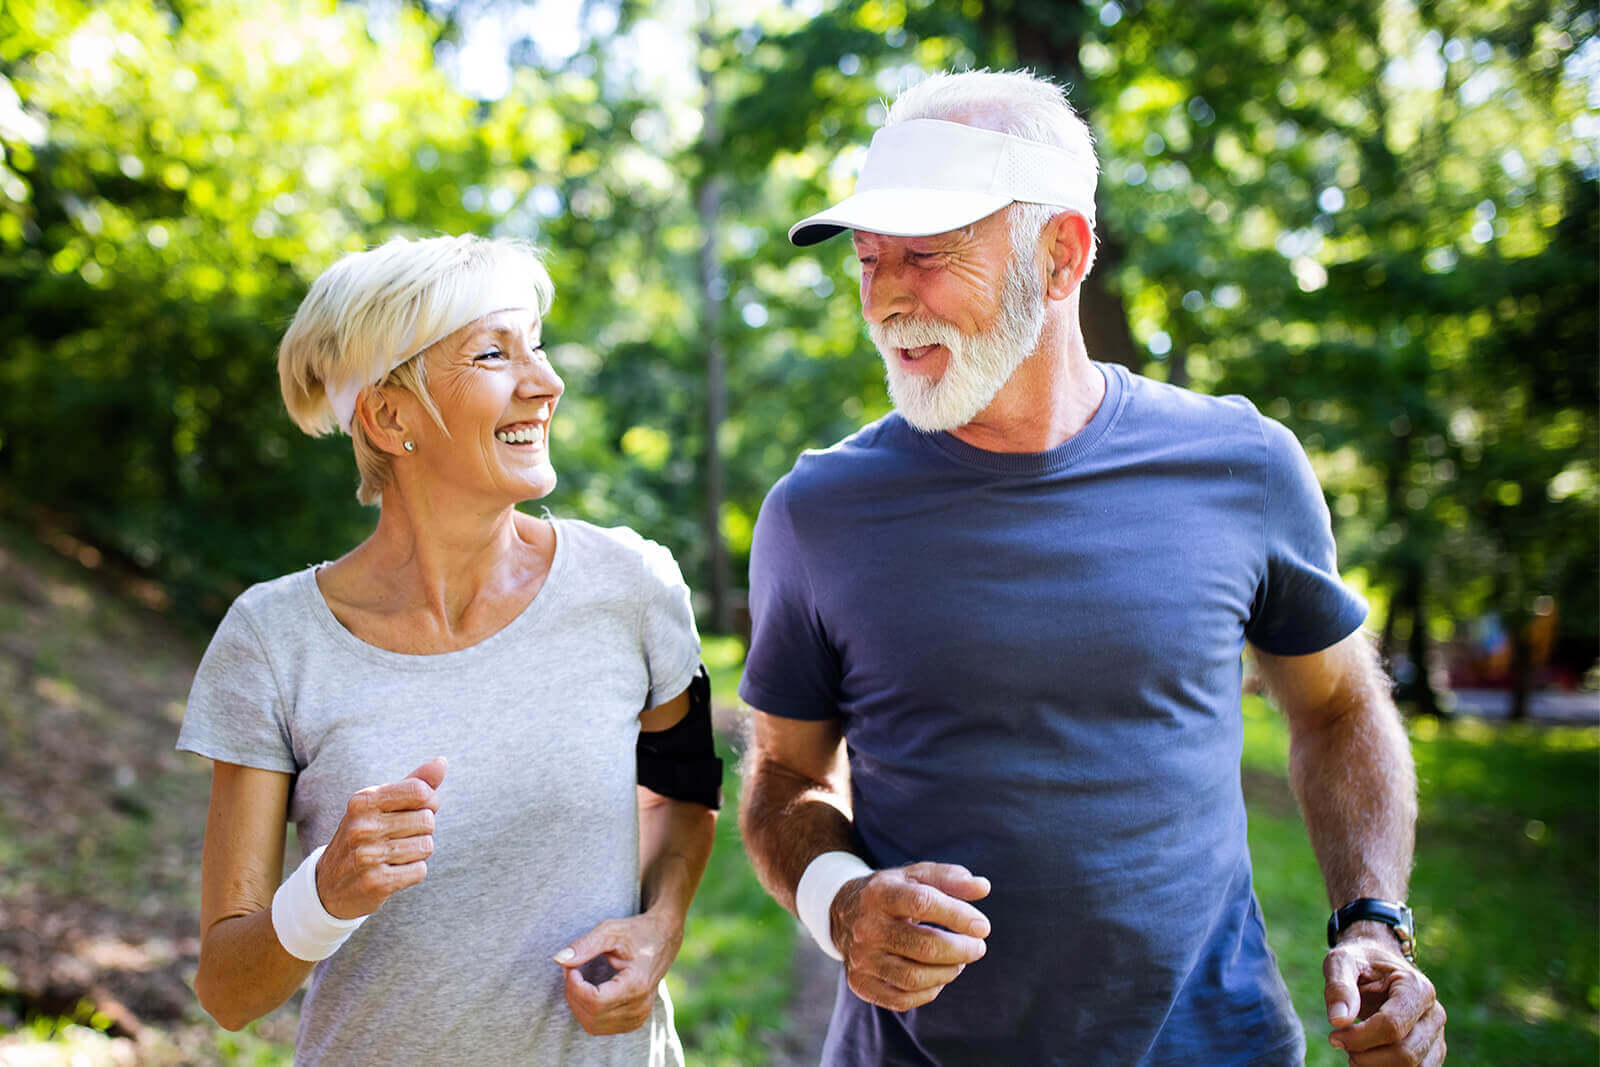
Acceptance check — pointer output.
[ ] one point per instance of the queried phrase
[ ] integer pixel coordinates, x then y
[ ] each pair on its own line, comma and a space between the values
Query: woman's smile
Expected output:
522, 434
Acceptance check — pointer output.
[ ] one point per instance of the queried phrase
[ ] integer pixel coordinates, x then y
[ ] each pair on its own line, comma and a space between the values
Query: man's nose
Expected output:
885, 292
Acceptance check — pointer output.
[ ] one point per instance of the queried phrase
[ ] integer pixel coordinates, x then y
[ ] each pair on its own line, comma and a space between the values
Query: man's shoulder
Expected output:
1178, 406
1217, 430
865, 454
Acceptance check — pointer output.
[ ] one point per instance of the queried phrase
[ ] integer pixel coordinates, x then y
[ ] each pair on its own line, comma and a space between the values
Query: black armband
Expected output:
681, 761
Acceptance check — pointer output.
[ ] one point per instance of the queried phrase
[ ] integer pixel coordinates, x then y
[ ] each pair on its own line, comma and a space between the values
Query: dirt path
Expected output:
101, 821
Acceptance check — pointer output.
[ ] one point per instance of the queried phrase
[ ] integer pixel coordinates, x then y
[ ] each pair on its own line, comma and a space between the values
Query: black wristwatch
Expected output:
1389, 912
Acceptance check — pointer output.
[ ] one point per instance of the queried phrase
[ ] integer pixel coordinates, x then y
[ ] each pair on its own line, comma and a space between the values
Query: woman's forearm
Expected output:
675, 839
244, 972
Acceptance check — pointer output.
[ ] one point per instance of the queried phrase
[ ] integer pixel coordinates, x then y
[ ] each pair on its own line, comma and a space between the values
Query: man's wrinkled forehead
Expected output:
961, 235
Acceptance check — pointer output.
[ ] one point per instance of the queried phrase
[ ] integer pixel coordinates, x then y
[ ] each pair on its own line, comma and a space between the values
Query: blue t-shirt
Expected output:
1035, 662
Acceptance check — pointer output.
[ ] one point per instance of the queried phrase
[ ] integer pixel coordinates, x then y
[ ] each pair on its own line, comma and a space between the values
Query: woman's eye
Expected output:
493, 353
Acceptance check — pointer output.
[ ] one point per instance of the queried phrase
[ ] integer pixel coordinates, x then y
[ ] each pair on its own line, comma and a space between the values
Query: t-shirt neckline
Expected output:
1051, 460
524, 619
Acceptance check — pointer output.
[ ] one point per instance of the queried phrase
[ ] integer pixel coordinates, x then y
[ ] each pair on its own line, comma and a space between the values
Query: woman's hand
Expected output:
382, 843
614, 969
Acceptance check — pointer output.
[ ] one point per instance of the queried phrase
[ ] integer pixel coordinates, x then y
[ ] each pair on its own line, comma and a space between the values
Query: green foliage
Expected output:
179, 185
1503, 888
1377, 222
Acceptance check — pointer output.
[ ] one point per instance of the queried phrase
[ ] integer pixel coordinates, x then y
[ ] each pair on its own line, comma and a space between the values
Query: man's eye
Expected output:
867, 261
924, 257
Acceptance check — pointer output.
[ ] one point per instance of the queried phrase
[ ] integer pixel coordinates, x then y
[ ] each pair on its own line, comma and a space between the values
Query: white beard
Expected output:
980, 364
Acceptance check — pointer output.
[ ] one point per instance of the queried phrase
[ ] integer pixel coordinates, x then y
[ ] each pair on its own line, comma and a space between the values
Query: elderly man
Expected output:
996, 657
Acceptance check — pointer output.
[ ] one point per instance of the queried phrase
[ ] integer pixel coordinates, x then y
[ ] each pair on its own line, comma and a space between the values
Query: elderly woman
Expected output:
523, 906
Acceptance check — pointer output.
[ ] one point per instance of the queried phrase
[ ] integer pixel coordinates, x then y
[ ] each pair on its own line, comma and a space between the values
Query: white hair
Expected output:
371, 308
1017, 102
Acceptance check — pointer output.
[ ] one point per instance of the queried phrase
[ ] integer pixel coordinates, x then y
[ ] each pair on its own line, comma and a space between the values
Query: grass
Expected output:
733, 981
1504, 887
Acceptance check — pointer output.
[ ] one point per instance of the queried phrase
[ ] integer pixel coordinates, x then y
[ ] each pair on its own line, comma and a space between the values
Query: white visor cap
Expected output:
927, 176
504, 293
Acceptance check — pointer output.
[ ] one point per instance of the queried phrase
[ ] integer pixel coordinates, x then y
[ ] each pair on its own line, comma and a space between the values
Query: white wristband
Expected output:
813, 897
304, 927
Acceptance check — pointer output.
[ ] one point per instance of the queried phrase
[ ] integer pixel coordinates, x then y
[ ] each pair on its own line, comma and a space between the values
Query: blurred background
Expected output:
1375, 218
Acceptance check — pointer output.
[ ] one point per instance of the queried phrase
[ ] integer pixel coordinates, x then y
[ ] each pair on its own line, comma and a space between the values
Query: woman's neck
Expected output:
450, 570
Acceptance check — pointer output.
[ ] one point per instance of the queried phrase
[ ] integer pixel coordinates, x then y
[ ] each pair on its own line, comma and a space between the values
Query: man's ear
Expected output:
1069, 248
382, 419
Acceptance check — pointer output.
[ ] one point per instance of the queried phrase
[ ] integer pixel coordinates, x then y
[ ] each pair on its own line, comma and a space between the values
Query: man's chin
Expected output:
922, 410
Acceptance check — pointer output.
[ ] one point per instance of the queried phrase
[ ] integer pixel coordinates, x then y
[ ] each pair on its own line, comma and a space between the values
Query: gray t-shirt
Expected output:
537, 835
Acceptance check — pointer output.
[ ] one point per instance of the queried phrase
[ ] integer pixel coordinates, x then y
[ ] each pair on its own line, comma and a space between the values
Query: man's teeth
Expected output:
523, 436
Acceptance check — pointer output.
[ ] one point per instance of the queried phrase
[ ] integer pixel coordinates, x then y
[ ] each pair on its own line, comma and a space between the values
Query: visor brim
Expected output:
898, 213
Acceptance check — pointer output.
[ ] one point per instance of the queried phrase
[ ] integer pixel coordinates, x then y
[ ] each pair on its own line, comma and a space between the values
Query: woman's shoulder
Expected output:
272, 604
619, 549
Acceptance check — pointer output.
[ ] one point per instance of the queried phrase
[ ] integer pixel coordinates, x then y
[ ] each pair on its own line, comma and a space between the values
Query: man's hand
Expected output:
614, 969
887, 928
1401, 1021
382, 844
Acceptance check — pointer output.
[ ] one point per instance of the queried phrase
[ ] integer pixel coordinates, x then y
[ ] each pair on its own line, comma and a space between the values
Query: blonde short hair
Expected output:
372, 310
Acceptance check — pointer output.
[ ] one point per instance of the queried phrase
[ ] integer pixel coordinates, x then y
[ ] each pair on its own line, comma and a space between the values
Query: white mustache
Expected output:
914, 333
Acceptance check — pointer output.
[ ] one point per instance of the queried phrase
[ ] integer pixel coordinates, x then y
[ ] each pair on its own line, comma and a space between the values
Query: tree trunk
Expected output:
1422, 694
708, 203
1521, 672
1386, 649
1105, 320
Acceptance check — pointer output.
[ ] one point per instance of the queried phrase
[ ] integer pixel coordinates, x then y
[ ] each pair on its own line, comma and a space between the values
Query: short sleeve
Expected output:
1301, 605
792, 670
235, 712
671, 644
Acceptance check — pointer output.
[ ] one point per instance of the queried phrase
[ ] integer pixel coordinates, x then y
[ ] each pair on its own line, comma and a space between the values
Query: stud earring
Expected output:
411, 446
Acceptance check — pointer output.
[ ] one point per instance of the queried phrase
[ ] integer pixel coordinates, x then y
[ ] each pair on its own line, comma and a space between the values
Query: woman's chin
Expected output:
536, 484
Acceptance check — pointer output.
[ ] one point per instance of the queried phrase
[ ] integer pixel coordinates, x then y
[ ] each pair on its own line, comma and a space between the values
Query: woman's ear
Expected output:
1069, 245
383, 421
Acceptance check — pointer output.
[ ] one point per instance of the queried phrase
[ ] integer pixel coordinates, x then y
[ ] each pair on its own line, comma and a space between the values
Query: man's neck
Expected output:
1053, 395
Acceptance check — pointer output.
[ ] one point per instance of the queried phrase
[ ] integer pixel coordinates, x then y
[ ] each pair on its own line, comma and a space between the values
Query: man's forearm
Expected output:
787, 820
1354, 777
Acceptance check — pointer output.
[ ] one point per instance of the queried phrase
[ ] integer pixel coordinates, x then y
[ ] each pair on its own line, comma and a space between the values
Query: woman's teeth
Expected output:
525, 435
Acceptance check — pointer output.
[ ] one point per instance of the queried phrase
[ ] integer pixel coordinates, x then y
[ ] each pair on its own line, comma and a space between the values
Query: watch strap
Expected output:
1389, 912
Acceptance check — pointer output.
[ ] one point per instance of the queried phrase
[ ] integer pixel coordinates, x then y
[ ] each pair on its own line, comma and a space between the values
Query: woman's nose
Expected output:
538, 379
